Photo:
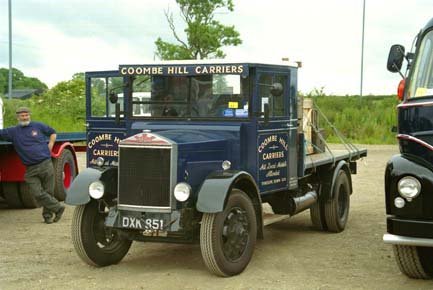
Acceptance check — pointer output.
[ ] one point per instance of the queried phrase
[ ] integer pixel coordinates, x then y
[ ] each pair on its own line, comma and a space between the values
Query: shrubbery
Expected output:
63, 107
364, 120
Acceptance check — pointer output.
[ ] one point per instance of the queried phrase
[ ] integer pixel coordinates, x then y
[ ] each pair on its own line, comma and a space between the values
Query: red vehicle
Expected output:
12, 186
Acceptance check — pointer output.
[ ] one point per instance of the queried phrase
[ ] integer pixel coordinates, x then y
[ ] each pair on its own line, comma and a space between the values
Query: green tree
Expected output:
20, 81
205, 36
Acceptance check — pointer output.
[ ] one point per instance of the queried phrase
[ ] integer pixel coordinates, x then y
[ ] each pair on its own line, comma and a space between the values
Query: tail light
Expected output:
400, 90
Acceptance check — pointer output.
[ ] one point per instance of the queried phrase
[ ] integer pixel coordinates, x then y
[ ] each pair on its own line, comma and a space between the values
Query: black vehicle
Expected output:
409, 175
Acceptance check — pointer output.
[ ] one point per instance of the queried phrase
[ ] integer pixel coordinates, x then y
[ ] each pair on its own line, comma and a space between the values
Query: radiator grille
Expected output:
144, 176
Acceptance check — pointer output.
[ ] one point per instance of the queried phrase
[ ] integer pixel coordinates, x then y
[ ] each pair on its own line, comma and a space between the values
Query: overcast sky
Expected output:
52, 40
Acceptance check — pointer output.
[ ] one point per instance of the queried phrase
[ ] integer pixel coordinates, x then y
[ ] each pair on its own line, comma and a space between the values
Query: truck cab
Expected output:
210, 143
409, 175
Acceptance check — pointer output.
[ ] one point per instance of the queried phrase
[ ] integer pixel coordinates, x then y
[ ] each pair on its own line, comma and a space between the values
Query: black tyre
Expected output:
317, 216
94, 243
337, 209
27, 197
64, 172
414, 262
227, 238
11, 194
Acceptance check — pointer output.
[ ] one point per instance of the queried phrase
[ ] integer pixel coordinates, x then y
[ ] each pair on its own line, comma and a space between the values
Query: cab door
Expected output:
103, 132
276, 137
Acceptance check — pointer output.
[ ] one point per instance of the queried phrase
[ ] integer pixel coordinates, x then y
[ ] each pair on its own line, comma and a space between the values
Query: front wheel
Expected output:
227, 238
414, 262
96, 244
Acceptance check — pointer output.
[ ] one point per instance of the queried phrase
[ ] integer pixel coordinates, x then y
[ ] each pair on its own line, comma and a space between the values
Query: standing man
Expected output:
30, 143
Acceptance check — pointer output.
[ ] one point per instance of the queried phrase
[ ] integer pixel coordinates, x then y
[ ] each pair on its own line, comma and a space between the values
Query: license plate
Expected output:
148, 224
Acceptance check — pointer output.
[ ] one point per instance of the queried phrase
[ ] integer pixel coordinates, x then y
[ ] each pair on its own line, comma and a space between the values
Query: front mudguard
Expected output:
78, 192
216, 187
213, 193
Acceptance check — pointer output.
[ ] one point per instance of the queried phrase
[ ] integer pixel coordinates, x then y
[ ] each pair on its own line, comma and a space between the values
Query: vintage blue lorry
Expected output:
189, 151
409, 175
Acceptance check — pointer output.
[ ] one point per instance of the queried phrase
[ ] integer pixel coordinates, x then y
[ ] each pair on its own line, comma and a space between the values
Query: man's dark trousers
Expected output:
40, 179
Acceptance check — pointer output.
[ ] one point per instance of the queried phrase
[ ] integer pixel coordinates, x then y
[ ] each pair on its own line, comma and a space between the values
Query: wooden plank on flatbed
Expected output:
319, 159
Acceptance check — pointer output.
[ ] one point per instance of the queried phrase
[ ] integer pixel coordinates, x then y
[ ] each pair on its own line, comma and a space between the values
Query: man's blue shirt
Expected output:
30, 142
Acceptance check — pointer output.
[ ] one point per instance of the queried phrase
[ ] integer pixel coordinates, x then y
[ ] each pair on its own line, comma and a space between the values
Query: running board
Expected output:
269, 218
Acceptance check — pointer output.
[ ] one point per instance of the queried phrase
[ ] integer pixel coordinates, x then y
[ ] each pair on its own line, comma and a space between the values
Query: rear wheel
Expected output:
317, 217
337, 208
96, 244
11, 194
414, 262
27, 197
64, 172
227, 238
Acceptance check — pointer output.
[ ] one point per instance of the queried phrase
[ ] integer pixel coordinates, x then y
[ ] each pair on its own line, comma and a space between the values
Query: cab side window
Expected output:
99, 92
98, 97
276, 103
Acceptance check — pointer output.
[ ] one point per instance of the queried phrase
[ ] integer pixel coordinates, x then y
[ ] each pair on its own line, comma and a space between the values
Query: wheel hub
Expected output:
235, 233
105, 237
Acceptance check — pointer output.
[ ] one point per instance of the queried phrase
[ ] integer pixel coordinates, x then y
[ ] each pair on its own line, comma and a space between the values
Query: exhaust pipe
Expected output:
302, 203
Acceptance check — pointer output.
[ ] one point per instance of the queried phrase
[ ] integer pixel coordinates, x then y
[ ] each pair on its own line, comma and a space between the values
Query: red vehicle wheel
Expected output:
64, 173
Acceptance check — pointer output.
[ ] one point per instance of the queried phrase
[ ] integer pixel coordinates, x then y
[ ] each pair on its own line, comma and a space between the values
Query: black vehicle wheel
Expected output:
11, 194
414, 262
64, 172
227, 238
316, 216
94, 243
27, 197
337, 209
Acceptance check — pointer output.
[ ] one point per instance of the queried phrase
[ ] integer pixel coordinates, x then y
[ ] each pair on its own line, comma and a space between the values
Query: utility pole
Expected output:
10, 51
362, 47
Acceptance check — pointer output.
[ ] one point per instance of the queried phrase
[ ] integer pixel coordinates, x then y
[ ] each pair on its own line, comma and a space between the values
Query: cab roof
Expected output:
220, 61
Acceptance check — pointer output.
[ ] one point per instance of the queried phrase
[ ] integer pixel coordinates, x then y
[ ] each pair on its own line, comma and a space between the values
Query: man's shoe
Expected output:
59, 214
48, 219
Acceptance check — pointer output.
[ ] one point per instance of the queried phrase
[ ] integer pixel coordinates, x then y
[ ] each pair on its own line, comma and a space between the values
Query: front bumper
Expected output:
407, 241
409, 232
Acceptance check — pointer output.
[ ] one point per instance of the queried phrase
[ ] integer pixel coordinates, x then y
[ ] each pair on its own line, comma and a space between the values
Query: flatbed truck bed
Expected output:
62, 137
315, 160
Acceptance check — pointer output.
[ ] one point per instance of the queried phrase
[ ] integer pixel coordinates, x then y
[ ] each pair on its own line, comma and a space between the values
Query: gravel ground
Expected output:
292, 256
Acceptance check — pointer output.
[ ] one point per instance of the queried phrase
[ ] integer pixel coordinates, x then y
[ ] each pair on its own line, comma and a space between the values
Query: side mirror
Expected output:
266, 113
277, 89
113, 98
395, 58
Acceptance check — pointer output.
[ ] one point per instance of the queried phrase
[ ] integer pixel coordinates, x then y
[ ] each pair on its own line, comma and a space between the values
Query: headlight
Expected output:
409, 187
182, 191
96, 189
